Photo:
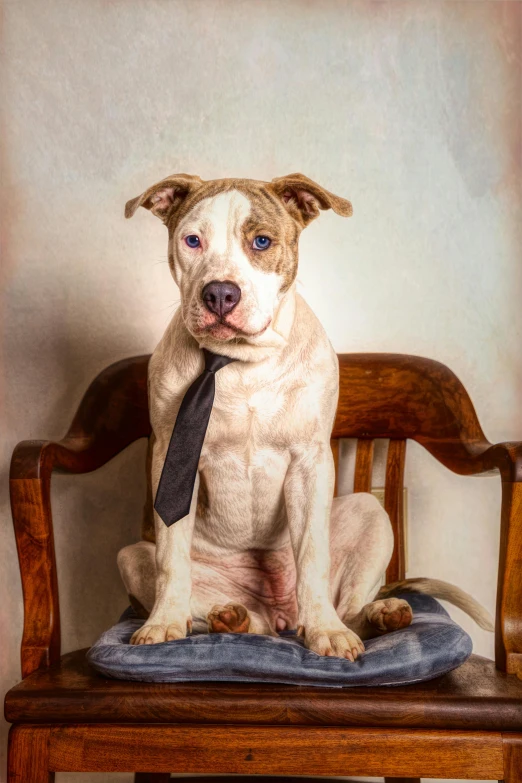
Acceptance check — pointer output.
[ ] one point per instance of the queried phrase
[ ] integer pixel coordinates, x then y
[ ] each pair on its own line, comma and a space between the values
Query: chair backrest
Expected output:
396, 397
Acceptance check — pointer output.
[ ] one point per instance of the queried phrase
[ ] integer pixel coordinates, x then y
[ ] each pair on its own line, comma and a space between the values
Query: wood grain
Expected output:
112, 414
385, 395
261, 779
474, 696
508, 637
276, 751
512, 746
362, 481
334, 444
28, 755
31, 508
393, 503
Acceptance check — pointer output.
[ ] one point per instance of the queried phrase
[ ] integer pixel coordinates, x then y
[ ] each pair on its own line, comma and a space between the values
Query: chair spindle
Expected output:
363, 466
394, 505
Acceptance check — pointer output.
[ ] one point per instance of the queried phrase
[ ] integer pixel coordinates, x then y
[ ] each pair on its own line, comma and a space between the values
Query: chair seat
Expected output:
474, 696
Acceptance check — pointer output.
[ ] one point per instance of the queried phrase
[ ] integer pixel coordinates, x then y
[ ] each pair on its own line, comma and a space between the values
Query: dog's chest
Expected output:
254, 411
246, 426
243, 466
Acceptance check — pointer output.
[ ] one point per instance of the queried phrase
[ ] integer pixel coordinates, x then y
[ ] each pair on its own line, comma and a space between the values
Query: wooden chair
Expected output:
466, 724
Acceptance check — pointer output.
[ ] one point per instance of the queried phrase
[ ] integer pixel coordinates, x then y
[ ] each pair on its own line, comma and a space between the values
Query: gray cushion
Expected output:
432, 645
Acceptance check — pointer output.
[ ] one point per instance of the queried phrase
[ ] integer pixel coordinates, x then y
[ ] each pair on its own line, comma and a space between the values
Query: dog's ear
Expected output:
303, 198
165, 196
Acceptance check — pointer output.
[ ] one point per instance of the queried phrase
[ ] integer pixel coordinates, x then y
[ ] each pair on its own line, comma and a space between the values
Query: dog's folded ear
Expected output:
303, 198
165, 196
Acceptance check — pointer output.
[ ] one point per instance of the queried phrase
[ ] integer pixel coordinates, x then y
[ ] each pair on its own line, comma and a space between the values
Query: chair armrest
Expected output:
112, 414
505, 457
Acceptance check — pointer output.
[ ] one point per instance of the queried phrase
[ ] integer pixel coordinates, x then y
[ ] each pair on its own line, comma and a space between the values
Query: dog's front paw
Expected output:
389, 614
151, 633
338, 642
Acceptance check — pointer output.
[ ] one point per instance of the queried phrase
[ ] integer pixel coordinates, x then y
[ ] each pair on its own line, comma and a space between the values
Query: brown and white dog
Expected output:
265, 546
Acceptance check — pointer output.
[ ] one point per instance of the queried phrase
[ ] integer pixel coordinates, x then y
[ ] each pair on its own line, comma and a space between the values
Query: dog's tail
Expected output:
445, 591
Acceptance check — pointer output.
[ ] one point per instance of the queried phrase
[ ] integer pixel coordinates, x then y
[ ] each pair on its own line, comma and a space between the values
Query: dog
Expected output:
265, 546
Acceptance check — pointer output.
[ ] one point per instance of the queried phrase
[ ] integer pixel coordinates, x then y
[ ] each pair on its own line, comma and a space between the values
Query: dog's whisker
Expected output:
169, 306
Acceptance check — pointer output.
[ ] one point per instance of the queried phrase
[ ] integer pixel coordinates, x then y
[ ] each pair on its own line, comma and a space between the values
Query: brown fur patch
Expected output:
269, 218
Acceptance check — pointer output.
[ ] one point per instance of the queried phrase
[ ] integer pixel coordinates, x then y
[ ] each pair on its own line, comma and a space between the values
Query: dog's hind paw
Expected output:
389, 614
232, 618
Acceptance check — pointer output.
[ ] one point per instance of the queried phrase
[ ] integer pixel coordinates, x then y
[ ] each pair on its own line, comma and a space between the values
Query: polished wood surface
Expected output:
275, 750
394, 505
465, 724
28, 757
31, 505
508, 619
474, 696
112, 415
385, 395
362, 480
512, 746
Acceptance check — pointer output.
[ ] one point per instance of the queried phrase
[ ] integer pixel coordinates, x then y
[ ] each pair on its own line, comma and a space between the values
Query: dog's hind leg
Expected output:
361, 541
380, 617
236, 618
219, 605
137, 565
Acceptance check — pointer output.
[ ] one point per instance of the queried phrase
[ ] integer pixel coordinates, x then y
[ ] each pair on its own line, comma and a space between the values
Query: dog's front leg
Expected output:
308, 497
170, 614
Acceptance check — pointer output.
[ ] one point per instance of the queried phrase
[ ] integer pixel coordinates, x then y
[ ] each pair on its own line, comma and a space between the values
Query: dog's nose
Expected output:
221, 298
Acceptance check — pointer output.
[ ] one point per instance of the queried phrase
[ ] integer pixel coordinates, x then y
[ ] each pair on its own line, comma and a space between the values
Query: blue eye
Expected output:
261, 243
192, 240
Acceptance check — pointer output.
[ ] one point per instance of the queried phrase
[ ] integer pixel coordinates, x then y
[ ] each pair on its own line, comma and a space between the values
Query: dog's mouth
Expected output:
221, 329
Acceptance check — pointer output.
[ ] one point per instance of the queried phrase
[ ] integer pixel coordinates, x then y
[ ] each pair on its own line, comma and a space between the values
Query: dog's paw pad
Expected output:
390, 614
232, 618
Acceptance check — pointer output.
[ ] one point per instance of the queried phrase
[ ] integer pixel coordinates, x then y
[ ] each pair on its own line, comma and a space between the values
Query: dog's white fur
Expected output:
262, 511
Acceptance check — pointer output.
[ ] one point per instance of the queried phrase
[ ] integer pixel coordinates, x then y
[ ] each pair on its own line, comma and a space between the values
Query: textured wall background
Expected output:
410, 109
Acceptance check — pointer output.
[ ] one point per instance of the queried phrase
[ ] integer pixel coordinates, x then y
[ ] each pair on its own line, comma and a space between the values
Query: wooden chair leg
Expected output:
152, 777
512, 746
28, 755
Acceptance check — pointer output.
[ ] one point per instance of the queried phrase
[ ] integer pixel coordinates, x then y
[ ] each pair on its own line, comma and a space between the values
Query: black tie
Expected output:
180, 468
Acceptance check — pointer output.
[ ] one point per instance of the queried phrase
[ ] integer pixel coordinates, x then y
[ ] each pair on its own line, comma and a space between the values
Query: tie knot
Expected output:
215, 361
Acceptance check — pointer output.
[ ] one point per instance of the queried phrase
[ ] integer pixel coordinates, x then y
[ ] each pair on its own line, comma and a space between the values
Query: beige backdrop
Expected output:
410, 109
